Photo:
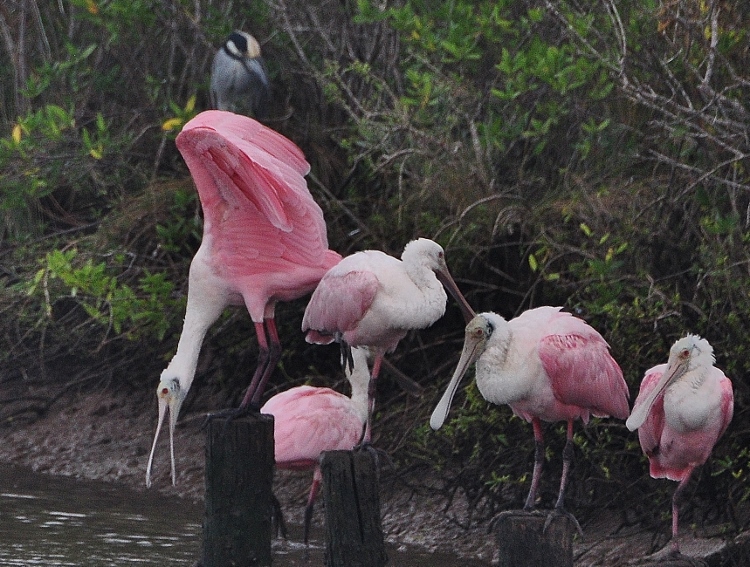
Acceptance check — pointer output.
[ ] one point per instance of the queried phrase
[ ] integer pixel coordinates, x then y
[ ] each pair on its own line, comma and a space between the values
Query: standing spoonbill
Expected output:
682, 409
547, 365
309, 421
264, 240
373, 299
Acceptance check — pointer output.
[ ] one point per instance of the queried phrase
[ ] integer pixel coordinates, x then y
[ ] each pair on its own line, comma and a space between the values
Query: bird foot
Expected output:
377, 454
560, 512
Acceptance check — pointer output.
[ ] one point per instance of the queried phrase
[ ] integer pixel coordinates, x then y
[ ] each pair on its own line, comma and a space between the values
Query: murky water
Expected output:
57, 521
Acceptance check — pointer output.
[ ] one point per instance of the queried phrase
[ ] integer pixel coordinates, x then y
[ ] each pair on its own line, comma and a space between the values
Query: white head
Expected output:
686, 355
478, 333
427, 253
170, 396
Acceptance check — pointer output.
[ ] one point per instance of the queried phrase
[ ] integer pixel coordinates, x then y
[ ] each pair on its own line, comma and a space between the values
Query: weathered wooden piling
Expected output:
354, 534
239, 477
522, 540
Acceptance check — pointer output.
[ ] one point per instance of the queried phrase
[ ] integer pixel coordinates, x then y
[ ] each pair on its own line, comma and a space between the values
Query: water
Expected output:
60, 522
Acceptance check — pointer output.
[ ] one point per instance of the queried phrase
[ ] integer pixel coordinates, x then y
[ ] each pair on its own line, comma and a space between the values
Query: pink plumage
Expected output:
264, 241
309, 421
547, 365
373, 299
673, 453
682, 409
264, 235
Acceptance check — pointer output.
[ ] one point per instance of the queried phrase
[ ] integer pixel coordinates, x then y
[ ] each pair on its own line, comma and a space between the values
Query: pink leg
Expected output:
371, 393
675, 546
314, 489
274, 355
538, 462
567, 460
263, 355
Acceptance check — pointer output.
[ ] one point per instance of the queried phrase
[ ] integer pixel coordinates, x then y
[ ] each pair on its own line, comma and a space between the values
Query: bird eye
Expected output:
685, 353
164, 391
478, 333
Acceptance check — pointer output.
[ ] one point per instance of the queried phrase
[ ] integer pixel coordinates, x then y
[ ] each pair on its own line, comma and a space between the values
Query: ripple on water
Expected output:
57, 522
61, 522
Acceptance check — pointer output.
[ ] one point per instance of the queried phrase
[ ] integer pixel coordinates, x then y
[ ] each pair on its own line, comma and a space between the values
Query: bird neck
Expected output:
500, 376
689, 384
359, 378
185, 361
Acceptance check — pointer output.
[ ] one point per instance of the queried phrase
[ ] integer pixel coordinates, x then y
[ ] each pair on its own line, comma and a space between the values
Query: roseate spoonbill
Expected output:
239, 81
264, 240
309, 421
373, 299
682, 409
547, 365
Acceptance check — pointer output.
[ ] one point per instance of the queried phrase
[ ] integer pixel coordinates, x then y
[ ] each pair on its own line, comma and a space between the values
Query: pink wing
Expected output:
649, 434
308, 421
252, 131
338, 303
255, 202
674, 454
581, 369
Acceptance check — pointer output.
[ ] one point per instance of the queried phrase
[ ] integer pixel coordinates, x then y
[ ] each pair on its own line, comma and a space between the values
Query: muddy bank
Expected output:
97, 436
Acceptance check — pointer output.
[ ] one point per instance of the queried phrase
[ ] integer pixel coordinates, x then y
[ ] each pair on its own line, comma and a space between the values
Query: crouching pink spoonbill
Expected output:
373, 299
547, 365
309, 421
682, 409
264, 241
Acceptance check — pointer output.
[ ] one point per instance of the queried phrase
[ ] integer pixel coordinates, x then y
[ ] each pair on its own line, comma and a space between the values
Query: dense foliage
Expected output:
593, 155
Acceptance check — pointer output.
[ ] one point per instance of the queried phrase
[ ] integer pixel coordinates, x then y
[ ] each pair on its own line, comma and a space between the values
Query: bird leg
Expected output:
267, 360
314, 488
568, 453
538, 462
278, 517
675, 545
268, 357
371, 392
347, 360
263, 356
559, 510
273, 355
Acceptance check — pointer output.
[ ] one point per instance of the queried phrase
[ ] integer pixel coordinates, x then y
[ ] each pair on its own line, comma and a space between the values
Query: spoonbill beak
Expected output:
677, 366
445, 278
475, 340
170, 401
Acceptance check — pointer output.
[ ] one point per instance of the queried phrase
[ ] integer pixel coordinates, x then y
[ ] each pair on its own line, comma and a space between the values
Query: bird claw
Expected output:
377, 454
364, 446
559, 512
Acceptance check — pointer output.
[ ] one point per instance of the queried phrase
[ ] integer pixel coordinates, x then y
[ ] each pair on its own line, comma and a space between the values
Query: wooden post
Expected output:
523, 542
354, 534
239, 477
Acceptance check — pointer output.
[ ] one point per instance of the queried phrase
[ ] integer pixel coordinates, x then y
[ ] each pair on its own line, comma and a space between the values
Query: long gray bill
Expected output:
469, 354
641, 411
162, 413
